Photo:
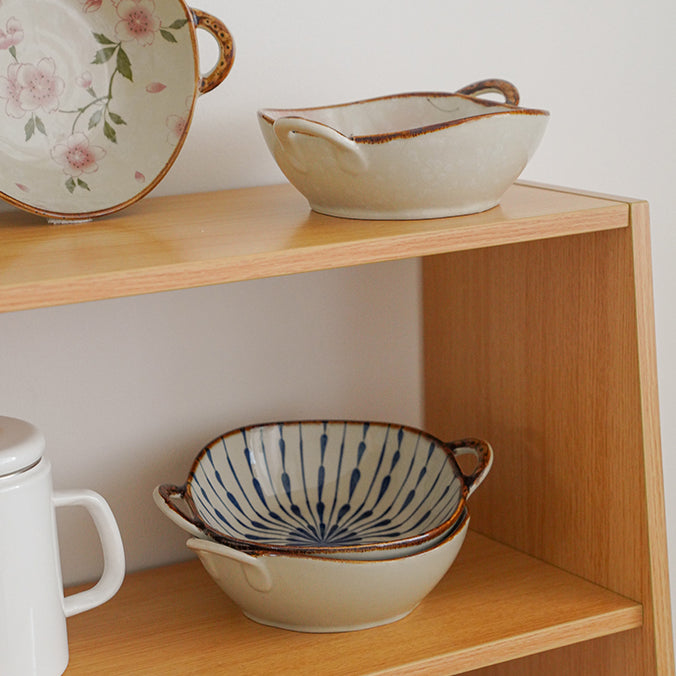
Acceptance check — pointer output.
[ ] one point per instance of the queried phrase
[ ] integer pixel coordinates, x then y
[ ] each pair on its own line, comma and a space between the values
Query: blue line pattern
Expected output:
324, 484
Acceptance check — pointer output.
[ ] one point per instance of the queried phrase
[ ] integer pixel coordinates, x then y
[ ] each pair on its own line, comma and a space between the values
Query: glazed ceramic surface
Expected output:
33, 610
329, 488
96, 98
313, 594
407, 156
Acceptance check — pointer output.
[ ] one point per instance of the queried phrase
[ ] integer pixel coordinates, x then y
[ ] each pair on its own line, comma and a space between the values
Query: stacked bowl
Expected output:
330, 525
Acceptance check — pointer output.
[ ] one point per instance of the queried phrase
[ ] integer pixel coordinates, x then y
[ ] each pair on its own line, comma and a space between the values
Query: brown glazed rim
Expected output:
257, 548
470, 92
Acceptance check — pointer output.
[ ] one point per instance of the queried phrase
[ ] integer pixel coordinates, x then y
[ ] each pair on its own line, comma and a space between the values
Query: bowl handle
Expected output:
226, 48
482, 452
346, 151
507, 89
256, 572
164, 497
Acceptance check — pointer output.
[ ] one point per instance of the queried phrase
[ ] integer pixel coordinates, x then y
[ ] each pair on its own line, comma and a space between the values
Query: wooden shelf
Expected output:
494, 604
538, 335
177, 242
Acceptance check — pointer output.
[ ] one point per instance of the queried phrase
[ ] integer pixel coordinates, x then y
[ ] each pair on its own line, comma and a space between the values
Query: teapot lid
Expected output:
21, 445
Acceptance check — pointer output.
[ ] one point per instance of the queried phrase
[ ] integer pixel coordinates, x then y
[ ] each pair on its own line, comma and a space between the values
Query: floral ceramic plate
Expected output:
96, 97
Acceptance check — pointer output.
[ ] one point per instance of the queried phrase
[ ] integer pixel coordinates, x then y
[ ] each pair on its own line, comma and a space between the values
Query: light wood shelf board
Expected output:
183, 241
494, 604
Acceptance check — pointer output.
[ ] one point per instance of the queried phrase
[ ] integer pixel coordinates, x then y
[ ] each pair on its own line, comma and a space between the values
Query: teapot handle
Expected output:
226, 48
113, 550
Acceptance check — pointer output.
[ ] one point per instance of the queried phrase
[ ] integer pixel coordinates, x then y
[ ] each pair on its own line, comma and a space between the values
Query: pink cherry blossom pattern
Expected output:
11, 90
138, 21
91, 5
155, 87
140, 177
177, 125
40, 86
12, 35
22, 187
84, 80
77, 155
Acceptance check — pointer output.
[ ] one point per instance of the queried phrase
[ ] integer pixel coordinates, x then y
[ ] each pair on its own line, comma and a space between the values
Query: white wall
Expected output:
128, 390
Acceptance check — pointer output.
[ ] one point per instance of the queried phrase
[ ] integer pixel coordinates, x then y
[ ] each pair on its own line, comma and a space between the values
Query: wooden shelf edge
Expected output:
522, 646
577, 191
187, 241
495, 604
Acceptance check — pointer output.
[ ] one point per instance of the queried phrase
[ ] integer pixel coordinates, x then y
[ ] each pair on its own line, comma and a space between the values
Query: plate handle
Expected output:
226, 47
483, 454
507, 89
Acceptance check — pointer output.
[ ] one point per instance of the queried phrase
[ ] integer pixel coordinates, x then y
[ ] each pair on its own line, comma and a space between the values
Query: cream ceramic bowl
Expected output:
407, 156
333, 488
312, 594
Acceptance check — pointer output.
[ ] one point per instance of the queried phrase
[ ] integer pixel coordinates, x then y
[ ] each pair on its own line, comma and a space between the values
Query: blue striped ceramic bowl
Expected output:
344, 489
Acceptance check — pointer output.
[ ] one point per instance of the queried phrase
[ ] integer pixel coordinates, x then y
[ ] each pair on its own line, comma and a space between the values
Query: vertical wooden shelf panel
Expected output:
547, 349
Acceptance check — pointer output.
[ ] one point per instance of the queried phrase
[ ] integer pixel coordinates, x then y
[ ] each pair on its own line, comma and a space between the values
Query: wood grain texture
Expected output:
657, 603
547, 349
539, 336
495, 603
183, 241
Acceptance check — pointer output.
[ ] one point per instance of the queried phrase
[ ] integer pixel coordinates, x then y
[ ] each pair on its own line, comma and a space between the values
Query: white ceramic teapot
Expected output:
33, 610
